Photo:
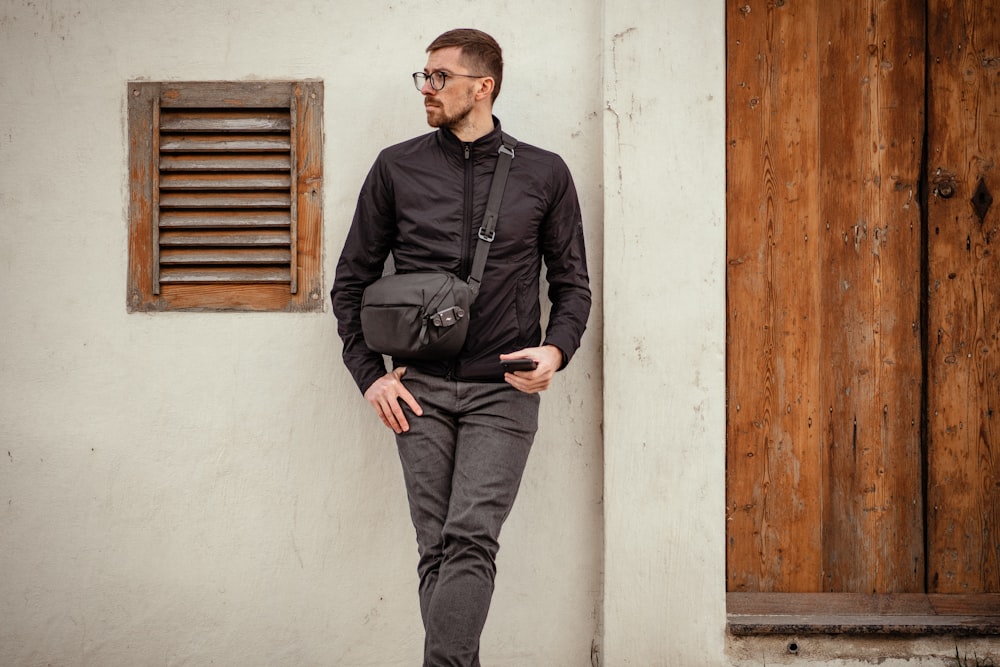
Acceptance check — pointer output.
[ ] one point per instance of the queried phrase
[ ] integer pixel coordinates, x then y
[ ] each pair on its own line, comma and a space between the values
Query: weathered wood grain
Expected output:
774, 468
824, 138
852, 613
871, 124
225, 121
141, 100
963, 421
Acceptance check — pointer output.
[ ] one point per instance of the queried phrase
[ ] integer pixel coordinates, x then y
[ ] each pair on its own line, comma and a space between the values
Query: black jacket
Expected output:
423, 201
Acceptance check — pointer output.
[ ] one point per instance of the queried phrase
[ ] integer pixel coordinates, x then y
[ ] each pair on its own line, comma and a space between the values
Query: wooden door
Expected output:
849, 425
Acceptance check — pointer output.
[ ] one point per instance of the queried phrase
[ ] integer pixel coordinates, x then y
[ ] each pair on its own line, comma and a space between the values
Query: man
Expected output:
464, 427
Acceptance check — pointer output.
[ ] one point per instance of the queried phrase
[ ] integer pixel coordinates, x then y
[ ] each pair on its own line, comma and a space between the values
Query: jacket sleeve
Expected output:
362, 259
566, 264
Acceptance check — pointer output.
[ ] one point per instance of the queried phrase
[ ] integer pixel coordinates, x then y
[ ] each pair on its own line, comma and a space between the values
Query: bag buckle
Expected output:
447, 317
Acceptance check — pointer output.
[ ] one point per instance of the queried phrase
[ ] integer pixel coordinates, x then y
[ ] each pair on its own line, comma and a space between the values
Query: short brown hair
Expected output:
480, 51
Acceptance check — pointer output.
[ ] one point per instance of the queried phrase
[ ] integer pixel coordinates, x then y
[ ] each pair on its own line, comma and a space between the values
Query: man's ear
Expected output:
485, 89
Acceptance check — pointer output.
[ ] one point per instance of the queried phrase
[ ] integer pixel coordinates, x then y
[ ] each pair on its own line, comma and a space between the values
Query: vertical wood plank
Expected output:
872, 127
308, 154
155, 208
295, 97
141, 98
964, 300
773, 462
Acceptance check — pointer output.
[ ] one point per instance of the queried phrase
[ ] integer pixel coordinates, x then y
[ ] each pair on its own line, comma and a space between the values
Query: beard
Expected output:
438, 117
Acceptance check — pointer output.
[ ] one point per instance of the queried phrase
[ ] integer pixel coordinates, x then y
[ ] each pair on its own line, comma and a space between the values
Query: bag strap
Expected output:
487, 231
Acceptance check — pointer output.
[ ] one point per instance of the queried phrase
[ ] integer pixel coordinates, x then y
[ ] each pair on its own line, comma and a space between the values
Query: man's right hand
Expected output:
385, 394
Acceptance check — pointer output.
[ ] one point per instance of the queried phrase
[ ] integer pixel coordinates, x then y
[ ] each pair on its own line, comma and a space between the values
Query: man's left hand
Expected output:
549, 358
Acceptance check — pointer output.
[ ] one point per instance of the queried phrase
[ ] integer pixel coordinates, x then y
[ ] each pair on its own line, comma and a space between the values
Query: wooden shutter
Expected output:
225, 210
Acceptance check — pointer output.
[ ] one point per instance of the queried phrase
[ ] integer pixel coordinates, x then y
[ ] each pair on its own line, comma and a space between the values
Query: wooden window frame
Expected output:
267, 260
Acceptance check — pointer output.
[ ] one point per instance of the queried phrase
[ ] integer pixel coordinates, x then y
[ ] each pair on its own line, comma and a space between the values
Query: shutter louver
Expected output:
225, 196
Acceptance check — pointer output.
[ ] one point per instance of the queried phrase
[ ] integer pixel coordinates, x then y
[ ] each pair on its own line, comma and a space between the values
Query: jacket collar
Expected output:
487, 144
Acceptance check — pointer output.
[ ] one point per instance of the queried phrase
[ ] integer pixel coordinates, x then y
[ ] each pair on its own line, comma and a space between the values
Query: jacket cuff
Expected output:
562, 347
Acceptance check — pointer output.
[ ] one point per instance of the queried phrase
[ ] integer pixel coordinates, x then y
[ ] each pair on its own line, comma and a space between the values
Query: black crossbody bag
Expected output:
425, 314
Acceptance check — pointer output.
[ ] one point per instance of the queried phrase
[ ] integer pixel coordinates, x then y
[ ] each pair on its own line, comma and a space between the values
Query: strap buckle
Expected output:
485, 232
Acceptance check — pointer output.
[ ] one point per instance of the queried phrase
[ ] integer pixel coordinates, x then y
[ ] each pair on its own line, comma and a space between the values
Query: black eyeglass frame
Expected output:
419, 78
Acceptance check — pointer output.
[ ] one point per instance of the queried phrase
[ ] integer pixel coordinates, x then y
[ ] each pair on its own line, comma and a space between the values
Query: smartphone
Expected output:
511, 365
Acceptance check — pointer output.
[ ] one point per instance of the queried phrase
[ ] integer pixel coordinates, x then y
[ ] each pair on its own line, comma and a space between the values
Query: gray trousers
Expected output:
462, 464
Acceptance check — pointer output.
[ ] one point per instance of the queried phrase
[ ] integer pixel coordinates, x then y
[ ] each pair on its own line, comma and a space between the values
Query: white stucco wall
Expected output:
665, 351
195, 489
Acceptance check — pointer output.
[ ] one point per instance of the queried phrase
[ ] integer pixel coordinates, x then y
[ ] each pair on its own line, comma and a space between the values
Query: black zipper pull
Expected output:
466, 151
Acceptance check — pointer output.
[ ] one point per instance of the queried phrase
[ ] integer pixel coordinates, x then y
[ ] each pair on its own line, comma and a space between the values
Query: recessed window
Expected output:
225, 207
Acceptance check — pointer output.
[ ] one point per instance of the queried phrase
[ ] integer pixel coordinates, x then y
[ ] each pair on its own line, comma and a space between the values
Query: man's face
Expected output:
452, 104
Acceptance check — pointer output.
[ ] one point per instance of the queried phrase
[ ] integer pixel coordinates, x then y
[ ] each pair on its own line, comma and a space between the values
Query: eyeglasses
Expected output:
437, 79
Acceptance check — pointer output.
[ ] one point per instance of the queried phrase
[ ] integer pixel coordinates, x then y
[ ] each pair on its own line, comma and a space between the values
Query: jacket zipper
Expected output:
467, 212
466, 267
